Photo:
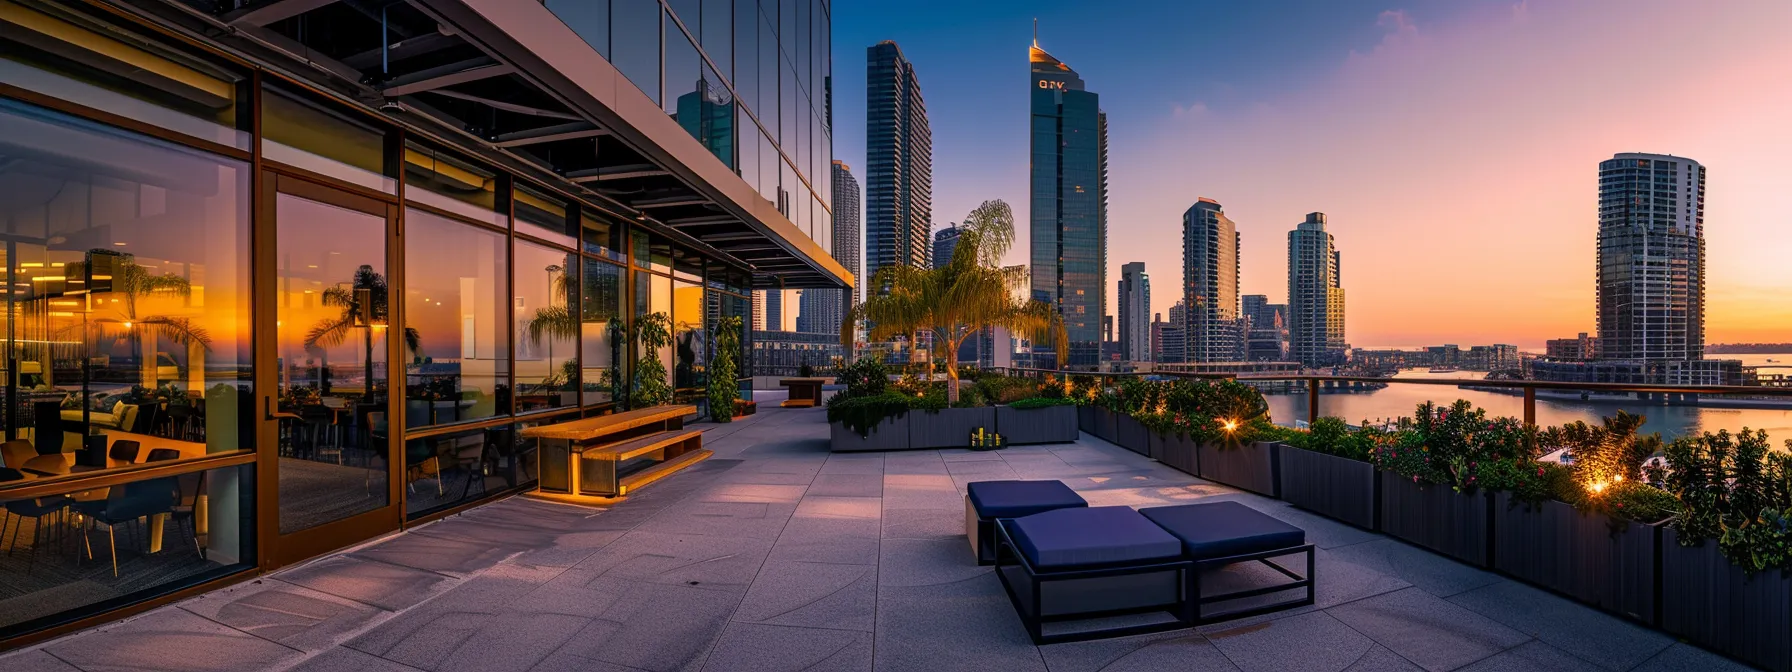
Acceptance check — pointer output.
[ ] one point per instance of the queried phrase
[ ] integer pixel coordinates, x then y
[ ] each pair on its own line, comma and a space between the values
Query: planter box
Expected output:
1335, 487
1175, 450
1131, 434
1251, 466
1597, 559
891, 434
1436, 517
1104, 425
948, 428
1052, 424
1717, 605
1085, 419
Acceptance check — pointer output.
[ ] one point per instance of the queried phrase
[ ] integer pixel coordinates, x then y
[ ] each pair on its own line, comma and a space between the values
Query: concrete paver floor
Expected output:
777, 555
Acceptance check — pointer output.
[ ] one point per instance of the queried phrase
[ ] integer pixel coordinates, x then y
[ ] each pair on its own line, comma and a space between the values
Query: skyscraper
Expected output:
1172, 347
899, 158
1068, 213
823, 310
1651, 258
1210, 284
1134, 298
774, 308
945, 242
1266, 329
1315, 295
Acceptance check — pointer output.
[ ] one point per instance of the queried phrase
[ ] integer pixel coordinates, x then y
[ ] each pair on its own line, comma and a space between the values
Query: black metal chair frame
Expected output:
1195, 615
1032, 611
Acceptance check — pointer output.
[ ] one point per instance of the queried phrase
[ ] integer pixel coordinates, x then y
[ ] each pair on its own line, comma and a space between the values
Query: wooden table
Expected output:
804, 392
581, 458
58, 464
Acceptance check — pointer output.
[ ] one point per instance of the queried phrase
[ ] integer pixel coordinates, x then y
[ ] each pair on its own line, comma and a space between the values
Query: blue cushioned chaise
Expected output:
1081, 562
986, 501
1225, 533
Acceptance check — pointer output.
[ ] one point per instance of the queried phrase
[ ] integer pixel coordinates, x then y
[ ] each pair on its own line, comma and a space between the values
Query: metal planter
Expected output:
1085, 418
1104, 425
1335, 487
948, 428
1175, 450
1052, 424
1251, 466
1602, 561
891, 434
1437, 517
1131, 434
1718, 605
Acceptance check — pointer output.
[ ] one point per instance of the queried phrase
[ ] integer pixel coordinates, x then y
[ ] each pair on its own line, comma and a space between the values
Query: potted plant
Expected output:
1031, 412
1595, 535
1437, 483
1233, 436
1136, 398
724, 389
1726, 557
1325, 469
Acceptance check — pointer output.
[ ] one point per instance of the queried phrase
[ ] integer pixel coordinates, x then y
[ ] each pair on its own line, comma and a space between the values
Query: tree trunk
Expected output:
368, 339
952, 371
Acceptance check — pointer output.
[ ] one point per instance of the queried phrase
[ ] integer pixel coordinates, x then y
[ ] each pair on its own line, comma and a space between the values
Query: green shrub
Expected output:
864, 378
860, 414
1735, 489
1040, 402
1332, 437
1461, 447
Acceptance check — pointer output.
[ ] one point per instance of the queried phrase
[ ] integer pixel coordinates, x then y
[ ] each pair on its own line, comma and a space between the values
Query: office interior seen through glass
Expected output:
250, 320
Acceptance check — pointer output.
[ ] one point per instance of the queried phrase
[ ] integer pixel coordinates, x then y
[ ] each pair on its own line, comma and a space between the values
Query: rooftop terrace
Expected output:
777, 555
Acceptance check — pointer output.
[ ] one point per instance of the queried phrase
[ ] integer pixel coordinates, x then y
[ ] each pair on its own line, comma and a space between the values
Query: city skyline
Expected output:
1349, 111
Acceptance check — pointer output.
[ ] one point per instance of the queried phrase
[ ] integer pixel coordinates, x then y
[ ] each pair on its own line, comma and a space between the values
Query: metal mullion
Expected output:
463, 219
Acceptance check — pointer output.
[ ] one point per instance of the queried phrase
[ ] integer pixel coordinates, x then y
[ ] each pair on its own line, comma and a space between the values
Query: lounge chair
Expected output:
1092, 562
1226, 533
986, 501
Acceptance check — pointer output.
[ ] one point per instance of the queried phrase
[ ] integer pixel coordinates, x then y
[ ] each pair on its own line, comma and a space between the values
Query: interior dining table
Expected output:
60, 464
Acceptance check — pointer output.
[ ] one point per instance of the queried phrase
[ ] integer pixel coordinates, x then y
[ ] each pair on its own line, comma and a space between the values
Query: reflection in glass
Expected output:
603, 236
688, 336
450, 469
546, 283
304, 135
600, 349
455, 297
543, 216
332, 301
443, 180
589, 18
127, 264
635, 43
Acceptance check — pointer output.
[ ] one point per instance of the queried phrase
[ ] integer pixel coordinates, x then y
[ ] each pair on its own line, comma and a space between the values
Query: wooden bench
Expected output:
610, 455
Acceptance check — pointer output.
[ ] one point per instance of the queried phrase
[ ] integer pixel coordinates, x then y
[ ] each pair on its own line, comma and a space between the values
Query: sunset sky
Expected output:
1453, 145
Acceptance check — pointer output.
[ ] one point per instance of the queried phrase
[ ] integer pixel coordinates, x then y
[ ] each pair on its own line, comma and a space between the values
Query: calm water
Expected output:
1398, 400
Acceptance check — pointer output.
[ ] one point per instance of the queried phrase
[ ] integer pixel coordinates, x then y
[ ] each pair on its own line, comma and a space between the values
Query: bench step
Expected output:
656, 472
638, 446
798, 403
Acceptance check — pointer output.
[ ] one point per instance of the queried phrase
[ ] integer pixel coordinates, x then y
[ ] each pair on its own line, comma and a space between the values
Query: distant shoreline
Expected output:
1748, 348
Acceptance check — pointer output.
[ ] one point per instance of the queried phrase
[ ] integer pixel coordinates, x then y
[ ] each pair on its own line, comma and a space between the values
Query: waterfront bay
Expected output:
1397, 400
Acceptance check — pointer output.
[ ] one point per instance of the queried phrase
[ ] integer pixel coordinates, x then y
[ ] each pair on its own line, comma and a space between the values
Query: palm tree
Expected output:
135, 283
971, 293
365, 304
553, 322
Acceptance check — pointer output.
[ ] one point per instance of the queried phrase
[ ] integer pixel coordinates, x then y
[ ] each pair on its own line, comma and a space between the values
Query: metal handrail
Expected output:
1528, 387
51, 486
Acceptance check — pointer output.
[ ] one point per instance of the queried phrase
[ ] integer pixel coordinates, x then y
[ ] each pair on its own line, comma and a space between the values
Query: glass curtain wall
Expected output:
127, 326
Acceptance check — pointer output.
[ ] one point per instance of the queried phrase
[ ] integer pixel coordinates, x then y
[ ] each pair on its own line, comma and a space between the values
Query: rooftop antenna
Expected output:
1035, 32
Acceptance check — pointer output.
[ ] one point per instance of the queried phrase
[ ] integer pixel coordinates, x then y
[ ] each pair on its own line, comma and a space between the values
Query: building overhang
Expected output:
508, 81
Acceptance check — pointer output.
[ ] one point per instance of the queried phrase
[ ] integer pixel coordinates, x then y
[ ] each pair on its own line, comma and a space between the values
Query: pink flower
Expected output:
1415, 478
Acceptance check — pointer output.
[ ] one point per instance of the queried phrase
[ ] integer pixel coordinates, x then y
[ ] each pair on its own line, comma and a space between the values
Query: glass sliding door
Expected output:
333, 305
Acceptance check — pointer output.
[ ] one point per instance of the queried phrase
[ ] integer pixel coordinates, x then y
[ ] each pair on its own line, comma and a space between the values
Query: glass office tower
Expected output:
1069, 202
281, 288
898, 163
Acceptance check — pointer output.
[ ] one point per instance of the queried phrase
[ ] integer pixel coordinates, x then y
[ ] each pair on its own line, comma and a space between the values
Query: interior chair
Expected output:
418, 453
469, 458
130, 503
161, 454
14, 453
35, 509
180, 421
124, 450
186, 509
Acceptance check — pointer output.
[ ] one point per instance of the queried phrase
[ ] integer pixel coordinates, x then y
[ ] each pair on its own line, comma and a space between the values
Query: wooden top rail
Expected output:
601, 426
104, 478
